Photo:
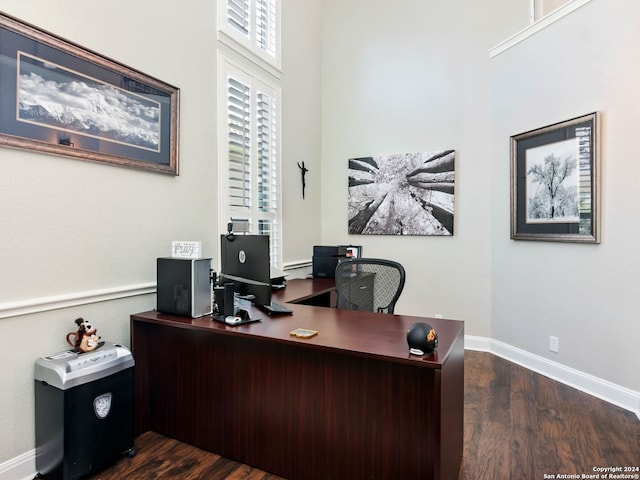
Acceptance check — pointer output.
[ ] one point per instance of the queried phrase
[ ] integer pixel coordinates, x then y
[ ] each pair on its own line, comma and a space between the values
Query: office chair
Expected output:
370, 284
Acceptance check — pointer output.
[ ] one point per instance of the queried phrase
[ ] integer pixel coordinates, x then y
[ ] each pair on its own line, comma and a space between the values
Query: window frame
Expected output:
246, 45
259, 82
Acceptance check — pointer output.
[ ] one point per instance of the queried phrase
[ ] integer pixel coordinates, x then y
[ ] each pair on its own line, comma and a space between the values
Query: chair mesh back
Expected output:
372, 285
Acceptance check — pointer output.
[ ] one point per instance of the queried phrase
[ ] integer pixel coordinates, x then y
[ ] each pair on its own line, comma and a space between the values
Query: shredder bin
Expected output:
84, 411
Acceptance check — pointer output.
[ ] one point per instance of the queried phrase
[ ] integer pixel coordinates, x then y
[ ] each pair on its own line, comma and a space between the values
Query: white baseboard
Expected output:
23, 467
609, 392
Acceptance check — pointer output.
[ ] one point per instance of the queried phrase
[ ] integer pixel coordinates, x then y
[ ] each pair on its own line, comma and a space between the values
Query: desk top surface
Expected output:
356, 333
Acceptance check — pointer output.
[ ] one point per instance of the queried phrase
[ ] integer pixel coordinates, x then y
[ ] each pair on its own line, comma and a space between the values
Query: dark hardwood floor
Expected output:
521, 425
517, 425
163, 458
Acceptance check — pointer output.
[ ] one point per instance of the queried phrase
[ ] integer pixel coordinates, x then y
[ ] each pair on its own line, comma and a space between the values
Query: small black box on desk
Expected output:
326, 258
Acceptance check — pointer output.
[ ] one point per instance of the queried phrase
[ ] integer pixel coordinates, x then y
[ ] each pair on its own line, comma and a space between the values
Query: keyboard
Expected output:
275, 307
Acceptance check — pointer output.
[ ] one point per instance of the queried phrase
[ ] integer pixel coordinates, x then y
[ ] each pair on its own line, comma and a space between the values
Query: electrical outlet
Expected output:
438, 315
554, 344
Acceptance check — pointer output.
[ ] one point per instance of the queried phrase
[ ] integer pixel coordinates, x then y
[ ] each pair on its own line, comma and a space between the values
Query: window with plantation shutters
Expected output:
248, 118
252, 25
249, 153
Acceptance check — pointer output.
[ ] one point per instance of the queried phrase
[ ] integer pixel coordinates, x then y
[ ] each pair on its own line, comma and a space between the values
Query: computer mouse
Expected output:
232, 320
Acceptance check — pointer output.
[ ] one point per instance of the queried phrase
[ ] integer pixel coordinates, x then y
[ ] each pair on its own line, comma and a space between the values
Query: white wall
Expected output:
301, 110
411, 76
587, 295
417, 75
71, 229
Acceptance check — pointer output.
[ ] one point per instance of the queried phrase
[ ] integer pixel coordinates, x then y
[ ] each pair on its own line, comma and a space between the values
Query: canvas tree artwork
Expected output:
402, 194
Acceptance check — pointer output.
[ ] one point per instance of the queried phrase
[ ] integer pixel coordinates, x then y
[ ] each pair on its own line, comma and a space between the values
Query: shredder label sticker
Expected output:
102, 405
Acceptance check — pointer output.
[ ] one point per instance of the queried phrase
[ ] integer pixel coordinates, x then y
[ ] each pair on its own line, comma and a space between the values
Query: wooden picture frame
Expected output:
62, 99
554, 182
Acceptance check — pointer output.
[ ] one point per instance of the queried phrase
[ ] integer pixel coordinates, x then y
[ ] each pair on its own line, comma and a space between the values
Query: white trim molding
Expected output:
609, 392
295, 265
536, 26
45, 304
22, 467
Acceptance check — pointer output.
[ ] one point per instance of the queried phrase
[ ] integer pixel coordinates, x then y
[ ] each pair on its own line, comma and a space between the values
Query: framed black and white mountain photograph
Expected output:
62, 99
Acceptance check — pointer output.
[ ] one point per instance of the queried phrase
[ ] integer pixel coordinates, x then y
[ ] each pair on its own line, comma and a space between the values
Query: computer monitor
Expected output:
246, 263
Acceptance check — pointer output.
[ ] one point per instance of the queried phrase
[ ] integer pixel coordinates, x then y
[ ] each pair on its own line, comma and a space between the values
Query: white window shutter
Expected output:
267, 150
265, 30
239, 141
238, 16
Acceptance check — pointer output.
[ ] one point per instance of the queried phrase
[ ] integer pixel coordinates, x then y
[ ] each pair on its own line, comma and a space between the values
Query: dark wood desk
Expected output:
349, 403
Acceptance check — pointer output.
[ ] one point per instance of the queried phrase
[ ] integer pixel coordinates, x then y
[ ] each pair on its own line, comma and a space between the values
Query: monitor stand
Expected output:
275, 308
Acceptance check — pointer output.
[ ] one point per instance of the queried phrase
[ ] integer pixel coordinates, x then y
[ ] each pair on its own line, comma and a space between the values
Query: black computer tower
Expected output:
184, 286
325, 260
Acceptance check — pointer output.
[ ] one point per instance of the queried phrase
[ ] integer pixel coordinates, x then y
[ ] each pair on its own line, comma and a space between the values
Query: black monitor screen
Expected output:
245, 262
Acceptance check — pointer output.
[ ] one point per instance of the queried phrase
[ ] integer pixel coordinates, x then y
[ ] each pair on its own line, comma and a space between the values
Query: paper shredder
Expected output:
84, 411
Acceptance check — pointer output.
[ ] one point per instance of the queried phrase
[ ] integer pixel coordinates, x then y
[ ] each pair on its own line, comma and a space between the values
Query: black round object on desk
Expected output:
422, 339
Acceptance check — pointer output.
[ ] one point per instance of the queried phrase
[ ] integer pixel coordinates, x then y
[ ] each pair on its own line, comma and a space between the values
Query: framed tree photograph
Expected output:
554, 182
62, 99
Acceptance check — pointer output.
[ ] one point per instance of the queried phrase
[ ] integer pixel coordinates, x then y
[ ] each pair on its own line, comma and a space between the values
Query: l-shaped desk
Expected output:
349, 403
